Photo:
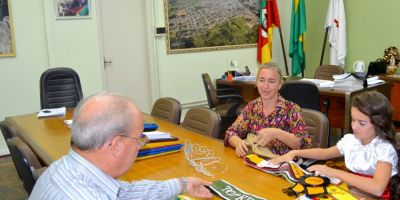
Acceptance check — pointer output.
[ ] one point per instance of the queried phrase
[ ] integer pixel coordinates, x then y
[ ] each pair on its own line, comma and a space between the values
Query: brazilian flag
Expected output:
296, 43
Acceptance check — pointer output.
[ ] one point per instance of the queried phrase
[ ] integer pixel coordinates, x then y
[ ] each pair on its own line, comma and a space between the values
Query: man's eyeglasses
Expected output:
142, 140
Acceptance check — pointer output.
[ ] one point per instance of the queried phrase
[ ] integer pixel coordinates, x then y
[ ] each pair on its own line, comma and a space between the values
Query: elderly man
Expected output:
106, 137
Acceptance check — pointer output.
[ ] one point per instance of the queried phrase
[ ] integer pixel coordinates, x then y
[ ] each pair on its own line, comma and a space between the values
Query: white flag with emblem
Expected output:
336, 22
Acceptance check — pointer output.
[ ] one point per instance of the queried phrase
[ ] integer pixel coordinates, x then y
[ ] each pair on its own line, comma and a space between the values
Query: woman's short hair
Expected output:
113, 116
377, 107
270, 65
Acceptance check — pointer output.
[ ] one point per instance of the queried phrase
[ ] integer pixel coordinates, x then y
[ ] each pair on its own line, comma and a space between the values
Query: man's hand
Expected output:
196, 188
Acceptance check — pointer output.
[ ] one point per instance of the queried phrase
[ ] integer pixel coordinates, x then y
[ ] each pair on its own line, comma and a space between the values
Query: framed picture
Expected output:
7, 44
204, 25
72, 9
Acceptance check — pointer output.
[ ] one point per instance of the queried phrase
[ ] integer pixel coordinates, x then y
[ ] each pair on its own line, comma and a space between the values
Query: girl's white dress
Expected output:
362, 159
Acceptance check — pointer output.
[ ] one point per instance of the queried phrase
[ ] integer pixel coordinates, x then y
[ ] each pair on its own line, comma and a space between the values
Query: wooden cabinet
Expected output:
394, 94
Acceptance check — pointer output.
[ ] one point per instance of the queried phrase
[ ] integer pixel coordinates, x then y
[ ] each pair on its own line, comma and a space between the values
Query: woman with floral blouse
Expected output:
277, 122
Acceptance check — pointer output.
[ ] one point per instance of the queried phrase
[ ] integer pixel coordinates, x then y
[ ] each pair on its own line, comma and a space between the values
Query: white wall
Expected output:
43, 42
75, 43
19, 82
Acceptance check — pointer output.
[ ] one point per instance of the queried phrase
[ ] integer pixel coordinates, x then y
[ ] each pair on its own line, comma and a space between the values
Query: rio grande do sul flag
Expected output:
269, 18
296, 43
336, 24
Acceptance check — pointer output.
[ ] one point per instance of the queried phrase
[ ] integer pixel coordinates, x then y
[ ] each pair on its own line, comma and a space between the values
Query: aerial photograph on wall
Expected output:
211, 24
6, 37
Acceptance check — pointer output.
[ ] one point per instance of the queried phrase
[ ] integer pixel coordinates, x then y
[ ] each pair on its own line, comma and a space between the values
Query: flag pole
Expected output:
323, 46
284, 53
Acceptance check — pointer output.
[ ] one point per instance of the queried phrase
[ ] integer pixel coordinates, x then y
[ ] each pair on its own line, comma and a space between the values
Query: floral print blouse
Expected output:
286, 116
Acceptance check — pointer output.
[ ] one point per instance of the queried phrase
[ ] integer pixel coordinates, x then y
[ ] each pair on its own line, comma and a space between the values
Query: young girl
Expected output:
369, 153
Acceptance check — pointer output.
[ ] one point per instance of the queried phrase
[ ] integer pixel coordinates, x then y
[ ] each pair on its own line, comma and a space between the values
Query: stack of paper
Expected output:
160, 143
341, 76
245, 78
51, 112
157, 135
347, 81
374, 80
319, 82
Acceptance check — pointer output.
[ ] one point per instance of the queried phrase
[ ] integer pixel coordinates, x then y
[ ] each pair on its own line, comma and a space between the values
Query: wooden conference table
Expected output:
50, 139
340, 98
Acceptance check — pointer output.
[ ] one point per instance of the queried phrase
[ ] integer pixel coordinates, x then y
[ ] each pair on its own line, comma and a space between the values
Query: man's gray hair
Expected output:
113, 115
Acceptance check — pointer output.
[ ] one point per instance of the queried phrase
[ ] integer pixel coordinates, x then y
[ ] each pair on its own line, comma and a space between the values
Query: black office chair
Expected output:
226, 102
60, 87
303, 93
28, 166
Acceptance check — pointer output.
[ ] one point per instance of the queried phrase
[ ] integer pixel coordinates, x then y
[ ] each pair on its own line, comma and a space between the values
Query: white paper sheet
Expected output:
51, 112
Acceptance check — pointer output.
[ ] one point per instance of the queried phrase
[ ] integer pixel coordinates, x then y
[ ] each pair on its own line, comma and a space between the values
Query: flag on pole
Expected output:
269, 18
298, 28
336, 24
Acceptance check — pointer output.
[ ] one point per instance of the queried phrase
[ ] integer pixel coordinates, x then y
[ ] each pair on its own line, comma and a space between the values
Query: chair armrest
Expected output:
231, 98
38, 172
224, 91
234, 99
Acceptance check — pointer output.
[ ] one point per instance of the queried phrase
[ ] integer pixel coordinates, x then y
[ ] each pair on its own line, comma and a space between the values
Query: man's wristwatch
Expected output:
184, 183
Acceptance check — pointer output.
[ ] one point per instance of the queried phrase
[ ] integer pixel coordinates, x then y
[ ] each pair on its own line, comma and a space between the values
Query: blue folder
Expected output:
154, 151
149, 127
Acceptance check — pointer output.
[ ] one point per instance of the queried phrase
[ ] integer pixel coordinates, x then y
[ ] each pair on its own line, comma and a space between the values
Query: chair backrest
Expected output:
168, 109
247, 72
211, 92
25, 162
318, 127
397, 139
325, 72
305, 94
202, 120
60, 87
395, 180
8, 130
5, 131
